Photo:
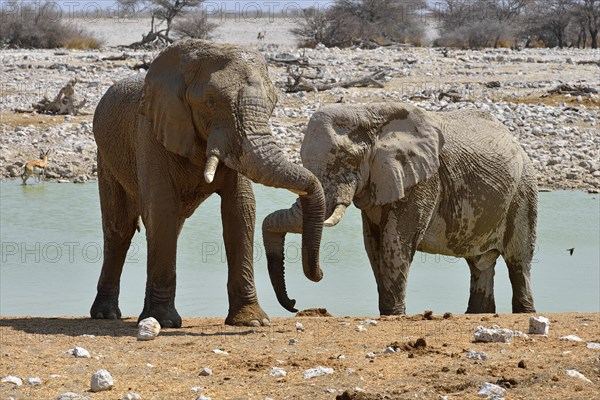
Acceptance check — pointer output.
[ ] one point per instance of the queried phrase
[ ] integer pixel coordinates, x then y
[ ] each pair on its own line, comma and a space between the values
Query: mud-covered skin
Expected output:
453, 183
155, 133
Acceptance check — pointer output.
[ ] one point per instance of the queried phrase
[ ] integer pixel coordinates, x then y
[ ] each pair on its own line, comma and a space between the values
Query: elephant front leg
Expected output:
238, 213
162, 221
482, 269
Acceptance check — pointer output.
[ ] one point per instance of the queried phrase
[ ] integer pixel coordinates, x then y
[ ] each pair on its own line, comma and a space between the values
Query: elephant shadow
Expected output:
126, 327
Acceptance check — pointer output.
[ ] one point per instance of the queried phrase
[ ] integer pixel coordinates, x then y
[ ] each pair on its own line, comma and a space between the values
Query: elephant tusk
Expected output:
211, 168
336, 216
298, 192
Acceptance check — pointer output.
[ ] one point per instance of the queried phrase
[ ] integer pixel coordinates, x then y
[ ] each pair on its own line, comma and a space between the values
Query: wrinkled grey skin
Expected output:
452, 183
156, 135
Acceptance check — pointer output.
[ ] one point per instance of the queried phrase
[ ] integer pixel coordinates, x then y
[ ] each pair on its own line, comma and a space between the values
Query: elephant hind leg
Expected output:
520, 246
482, 269
119, 222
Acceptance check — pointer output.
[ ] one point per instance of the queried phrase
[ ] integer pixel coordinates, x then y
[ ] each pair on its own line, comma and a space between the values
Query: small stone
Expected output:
315, 372
594, 346
277, 372
148, 329
132, 396
360, 328
576, 374
196, 389
330, 390
539, 325
491, 391
496, 334
35, 381
293, 342
202, 397
15, 380
477, 355
101, 381
71, 396
79, 352
389, 350
370, 322
205, 372
370, 355
570, 338
218, 351
299, 327
522, 364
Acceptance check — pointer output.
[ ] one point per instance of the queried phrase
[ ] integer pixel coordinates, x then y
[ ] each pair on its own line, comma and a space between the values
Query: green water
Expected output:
51, 243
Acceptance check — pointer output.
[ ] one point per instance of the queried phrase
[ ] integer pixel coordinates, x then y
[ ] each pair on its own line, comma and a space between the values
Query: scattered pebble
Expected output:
101, 381
576, 374
592, 345
293, 342
370, 355
369, 322
196, 389
72, 396
477, 355
491, 391
299, 327
34, 381
318, 371
132, 396
219, 351
202, 397
522, 364
148, 329
79, 352
360, 328
277, 372
570, 338
388, 350
496, 334
15, 380
539, 325
205, 372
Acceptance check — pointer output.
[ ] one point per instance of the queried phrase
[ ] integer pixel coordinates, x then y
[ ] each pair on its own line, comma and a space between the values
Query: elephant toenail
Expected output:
254, 322
266, 322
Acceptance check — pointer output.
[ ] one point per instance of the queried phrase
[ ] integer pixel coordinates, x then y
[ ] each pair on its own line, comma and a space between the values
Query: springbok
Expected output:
261, 35
36, 167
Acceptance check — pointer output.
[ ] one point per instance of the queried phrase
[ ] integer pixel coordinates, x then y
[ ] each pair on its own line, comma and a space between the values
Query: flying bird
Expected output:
571, 250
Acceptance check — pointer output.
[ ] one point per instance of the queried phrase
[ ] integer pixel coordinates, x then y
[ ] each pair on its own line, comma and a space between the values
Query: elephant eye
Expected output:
211, 103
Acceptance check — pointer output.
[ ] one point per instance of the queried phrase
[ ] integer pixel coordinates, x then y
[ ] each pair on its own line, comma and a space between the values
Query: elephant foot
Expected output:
523, 309
166, 315
479, 303
248, 315
105, 307
400, 310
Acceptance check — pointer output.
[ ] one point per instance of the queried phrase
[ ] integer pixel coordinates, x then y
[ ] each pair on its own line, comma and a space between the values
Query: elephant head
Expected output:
369, 154
211, 104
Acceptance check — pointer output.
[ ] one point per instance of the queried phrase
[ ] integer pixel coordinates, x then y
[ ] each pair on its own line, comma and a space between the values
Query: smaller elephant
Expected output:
452, 183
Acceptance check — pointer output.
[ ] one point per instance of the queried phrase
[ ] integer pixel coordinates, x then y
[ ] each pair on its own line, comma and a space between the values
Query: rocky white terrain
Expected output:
560, 131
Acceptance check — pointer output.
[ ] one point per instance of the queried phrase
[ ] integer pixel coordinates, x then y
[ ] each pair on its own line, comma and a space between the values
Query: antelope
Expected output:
261, 35
36, 167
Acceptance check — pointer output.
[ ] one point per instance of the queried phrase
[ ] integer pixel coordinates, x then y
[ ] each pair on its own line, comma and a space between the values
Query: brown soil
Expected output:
430, 362
10, 119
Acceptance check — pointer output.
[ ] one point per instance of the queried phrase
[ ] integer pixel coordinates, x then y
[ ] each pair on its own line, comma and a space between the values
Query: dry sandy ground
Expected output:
168, 367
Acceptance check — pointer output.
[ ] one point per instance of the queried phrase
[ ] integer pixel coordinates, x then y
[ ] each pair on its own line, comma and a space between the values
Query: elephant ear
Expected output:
164, 103
406, 152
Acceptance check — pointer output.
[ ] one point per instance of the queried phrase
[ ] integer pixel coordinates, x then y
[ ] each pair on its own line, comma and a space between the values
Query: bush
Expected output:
22, 26
195, 26
351, 22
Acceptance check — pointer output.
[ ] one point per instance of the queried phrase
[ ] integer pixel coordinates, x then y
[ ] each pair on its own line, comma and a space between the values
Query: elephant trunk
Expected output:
264, 162
274, 229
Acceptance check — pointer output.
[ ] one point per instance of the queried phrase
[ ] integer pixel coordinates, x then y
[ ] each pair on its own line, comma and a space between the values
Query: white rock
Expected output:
202, 397
370, 322
477, 355
132, 396
389, 350
148, 329
196, 389
219, 351
496, 334
370, 355
79, 352
570, 338
15, 380
101, 381
360, 328
595, 346
205, 372
293, 342
318, 371
34, 381
299, 327
491, 391
71, 396
576, 374
277, 372
539, 325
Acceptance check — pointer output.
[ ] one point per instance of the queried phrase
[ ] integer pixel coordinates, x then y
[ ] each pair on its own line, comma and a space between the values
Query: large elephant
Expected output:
453, 183
200, 107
